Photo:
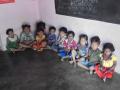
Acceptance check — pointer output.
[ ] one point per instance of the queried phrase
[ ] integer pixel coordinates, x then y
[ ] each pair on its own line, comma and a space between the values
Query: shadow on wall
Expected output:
0, 43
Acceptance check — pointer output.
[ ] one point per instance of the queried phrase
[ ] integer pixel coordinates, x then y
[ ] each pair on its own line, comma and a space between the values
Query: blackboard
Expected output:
103, 10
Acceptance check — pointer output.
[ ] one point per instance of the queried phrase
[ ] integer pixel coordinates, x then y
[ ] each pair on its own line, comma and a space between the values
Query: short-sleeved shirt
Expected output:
60, 41
51, 38
70, 45
94, 56
40, 38
26, 37
82, 51
108, 63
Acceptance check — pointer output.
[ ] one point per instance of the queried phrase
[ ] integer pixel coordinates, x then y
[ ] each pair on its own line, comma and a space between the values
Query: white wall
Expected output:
12, 15
106, 31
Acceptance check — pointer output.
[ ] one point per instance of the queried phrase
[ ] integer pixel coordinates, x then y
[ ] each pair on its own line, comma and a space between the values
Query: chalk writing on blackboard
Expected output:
104, 10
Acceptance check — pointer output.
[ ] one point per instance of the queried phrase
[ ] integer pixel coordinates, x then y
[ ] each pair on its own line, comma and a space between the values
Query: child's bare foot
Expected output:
40, 50
34, 49
12, 50
71, 62
62, 59
91, 72
104, 79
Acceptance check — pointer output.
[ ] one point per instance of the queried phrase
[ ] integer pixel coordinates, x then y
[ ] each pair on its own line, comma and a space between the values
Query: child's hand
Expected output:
87, 58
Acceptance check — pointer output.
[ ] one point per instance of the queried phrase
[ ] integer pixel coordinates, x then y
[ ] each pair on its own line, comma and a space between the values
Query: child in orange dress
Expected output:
40, 42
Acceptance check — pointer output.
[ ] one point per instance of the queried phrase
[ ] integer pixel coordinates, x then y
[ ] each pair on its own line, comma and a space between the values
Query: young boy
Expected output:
93, 56
108, 63
26, 38
59, 45
52, 36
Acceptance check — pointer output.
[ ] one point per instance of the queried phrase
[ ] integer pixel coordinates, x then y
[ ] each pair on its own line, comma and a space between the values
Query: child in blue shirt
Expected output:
79, 55
52, 36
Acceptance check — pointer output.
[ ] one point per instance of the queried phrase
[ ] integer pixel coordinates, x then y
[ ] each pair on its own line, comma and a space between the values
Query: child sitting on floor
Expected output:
26, 37
12, 41
40, 41
51, 36
58, 46
93, 56
69, 45
42, 25
79, 55
108, 63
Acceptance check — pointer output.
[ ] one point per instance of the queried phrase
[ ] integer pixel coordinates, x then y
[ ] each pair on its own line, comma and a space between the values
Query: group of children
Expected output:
88, 57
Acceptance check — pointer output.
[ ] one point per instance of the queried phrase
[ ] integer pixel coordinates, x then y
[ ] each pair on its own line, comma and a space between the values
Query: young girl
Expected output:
26, 38
79, 55
108, 63
40, 41
42, 25
12, 41
69, 45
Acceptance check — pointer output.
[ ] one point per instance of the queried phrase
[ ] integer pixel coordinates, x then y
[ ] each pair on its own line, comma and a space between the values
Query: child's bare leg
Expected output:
74, 53
24, 46
82, 66
92, 68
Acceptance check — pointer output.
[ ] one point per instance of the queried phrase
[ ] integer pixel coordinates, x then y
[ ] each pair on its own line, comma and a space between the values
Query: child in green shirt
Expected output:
12, 41
26, 37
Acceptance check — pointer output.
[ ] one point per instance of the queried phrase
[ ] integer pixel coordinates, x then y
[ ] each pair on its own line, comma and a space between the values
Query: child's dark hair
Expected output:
63, 29
39, 30
9, 30
40, 25
70, 32
95, 39
108, 46
52, 28
25, 25
83, 36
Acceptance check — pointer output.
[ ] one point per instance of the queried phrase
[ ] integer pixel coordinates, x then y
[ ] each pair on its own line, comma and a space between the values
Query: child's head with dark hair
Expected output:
83, 40
26, 28
40, 25
63, 31
70, 35
10, 32
108, 48
52, 30
95, 42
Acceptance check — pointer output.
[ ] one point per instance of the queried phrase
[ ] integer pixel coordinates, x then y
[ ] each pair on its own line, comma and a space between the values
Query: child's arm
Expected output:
114, 65
32, 37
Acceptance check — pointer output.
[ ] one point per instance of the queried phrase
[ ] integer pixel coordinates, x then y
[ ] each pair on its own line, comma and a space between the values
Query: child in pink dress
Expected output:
69, 45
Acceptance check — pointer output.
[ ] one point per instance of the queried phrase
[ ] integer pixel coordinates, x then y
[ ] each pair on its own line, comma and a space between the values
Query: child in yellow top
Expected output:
108, 63
40, 41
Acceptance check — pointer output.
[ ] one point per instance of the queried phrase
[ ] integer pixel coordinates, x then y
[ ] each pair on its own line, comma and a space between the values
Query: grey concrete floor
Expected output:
30, 70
